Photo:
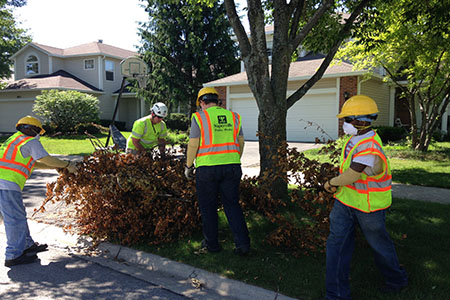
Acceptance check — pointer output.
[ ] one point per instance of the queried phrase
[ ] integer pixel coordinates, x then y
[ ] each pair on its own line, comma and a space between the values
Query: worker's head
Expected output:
30, 126
159, 112
207, 95
358, 113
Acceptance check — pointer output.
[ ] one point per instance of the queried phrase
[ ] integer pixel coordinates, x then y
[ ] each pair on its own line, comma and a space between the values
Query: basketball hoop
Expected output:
142, 80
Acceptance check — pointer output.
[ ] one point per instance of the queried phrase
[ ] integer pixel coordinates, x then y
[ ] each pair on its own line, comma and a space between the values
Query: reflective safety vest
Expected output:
13, 166
369, 193
146, 132
219, 130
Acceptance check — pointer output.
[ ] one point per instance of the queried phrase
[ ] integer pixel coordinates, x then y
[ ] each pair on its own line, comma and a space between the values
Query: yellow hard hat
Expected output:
358, 105
29, 120
204, 91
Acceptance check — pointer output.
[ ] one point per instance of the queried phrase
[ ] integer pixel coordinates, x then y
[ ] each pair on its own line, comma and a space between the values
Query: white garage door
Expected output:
12, 111
313, 116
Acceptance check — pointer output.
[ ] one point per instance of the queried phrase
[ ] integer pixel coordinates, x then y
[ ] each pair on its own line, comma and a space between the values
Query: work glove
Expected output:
189, 172
329, 188
72, 167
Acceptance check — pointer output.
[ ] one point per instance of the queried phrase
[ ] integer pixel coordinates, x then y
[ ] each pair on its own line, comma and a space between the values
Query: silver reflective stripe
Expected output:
15, 167
136, 134
145, 127
147, 141
372, 185
205, 128
218, 149
9, 154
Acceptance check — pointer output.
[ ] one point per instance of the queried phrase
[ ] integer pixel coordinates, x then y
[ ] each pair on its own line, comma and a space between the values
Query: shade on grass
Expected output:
419, 230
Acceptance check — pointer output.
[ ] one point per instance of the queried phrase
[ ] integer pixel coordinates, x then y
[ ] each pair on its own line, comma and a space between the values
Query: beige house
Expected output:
92, 68
315, 114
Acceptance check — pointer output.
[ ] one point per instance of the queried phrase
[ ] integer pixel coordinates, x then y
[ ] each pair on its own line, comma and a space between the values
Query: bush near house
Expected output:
177, 121
63, 111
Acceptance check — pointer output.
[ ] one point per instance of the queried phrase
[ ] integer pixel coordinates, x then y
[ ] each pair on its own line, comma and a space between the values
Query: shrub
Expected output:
391, 134
64, 110
90, 128
177, 121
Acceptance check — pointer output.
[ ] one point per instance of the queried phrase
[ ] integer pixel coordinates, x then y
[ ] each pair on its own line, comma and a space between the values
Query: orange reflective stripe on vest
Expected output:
369, 193
219, 130
13, 162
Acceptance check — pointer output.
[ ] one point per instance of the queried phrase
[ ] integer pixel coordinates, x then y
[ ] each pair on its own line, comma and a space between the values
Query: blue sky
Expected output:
67, 23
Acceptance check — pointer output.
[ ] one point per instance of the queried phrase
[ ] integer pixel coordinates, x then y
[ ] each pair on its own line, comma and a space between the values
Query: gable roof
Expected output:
94, 48
299, 70
60, 80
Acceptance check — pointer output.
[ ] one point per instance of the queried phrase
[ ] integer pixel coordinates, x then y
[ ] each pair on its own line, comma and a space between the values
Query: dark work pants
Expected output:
223, 180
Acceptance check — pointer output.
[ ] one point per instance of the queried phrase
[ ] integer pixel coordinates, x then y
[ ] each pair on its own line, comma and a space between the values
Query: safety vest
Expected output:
150, 135
219, 130
13, 166
369, 193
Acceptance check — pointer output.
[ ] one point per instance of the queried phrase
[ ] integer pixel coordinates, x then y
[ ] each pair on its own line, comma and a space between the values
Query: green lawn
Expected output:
81, 144
419, 230
412, 167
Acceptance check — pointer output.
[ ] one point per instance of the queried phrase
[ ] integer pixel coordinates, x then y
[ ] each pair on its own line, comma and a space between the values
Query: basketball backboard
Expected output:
133, 66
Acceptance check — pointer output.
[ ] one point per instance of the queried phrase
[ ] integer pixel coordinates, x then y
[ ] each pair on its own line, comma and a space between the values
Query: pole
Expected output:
115, 110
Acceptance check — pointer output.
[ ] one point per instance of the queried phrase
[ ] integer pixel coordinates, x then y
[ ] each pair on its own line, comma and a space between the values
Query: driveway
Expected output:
250, 159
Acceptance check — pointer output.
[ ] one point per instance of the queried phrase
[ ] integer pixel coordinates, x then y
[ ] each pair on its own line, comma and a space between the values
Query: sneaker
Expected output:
209, 249
21, 260
36, 248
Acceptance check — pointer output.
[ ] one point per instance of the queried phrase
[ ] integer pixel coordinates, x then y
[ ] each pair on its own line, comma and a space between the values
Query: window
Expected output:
109, 70
32, 65
88, 64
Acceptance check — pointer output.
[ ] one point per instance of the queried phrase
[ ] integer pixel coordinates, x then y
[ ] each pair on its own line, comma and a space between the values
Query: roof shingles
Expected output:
297, 70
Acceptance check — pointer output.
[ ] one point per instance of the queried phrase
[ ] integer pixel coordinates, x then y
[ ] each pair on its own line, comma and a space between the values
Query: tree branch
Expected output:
239, 31
326, 62
311, 23
297, 7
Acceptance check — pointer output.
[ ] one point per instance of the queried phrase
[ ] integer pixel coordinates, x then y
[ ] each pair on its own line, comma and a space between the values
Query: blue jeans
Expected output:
340, 245
16, 226
221, 181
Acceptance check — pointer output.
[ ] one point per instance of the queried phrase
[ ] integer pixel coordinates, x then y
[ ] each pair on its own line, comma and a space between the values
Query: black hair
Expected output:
210, 98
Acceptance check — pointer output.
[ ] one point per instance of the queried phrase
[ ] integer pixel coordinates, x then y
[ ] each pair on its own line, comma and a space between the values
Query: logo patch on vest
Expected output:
222, 119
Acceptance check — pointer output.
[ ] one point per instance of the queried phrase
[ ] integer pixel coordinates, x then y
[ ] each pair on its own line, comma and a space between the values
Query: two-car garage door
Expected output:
12, 111
312, 116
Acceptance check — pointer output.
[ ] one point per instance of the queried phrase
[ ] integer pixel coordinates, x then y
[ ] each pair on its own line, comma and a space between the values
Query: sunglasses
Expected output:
349, 119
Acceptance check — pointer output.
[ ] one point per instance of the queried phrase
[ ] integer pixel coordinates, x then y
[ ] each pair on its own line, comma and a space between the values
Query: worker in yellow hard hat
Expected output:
362, 194
216, 142
19, 155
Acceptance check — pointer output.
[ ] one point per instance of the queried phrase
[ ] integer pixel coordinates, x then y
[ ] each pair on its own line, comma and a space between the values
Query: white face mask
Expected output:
349, 129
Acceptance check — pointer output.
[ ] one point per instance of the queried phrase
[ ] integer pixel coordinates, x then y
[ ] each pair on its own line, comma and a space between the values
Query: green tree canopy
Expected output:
13, 38
186, 46
411, 40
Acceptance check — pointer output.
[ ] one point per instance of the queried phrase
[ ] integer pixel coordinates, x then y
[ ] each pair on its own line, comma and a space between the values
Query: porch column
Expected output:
444, 123
391, 105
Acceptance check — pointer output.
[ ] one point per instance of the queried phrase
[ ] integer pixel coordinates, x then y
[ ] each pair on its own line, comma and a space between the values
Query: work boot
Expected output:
21, 260
209, 249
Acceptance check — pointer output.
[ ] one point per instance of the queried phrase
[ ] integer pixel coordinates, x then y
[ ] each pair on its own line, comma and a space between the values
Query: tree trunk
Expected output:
272, 150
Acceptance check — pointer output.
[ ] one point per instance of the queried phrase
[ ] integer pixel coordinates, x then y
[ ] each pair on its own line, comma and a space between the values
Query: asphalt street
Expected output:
60, 275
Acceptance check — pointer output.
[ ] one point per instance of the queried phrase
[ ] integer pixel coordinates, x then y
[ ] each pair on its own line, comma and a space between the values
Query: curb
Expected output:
157, 270
223, 286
